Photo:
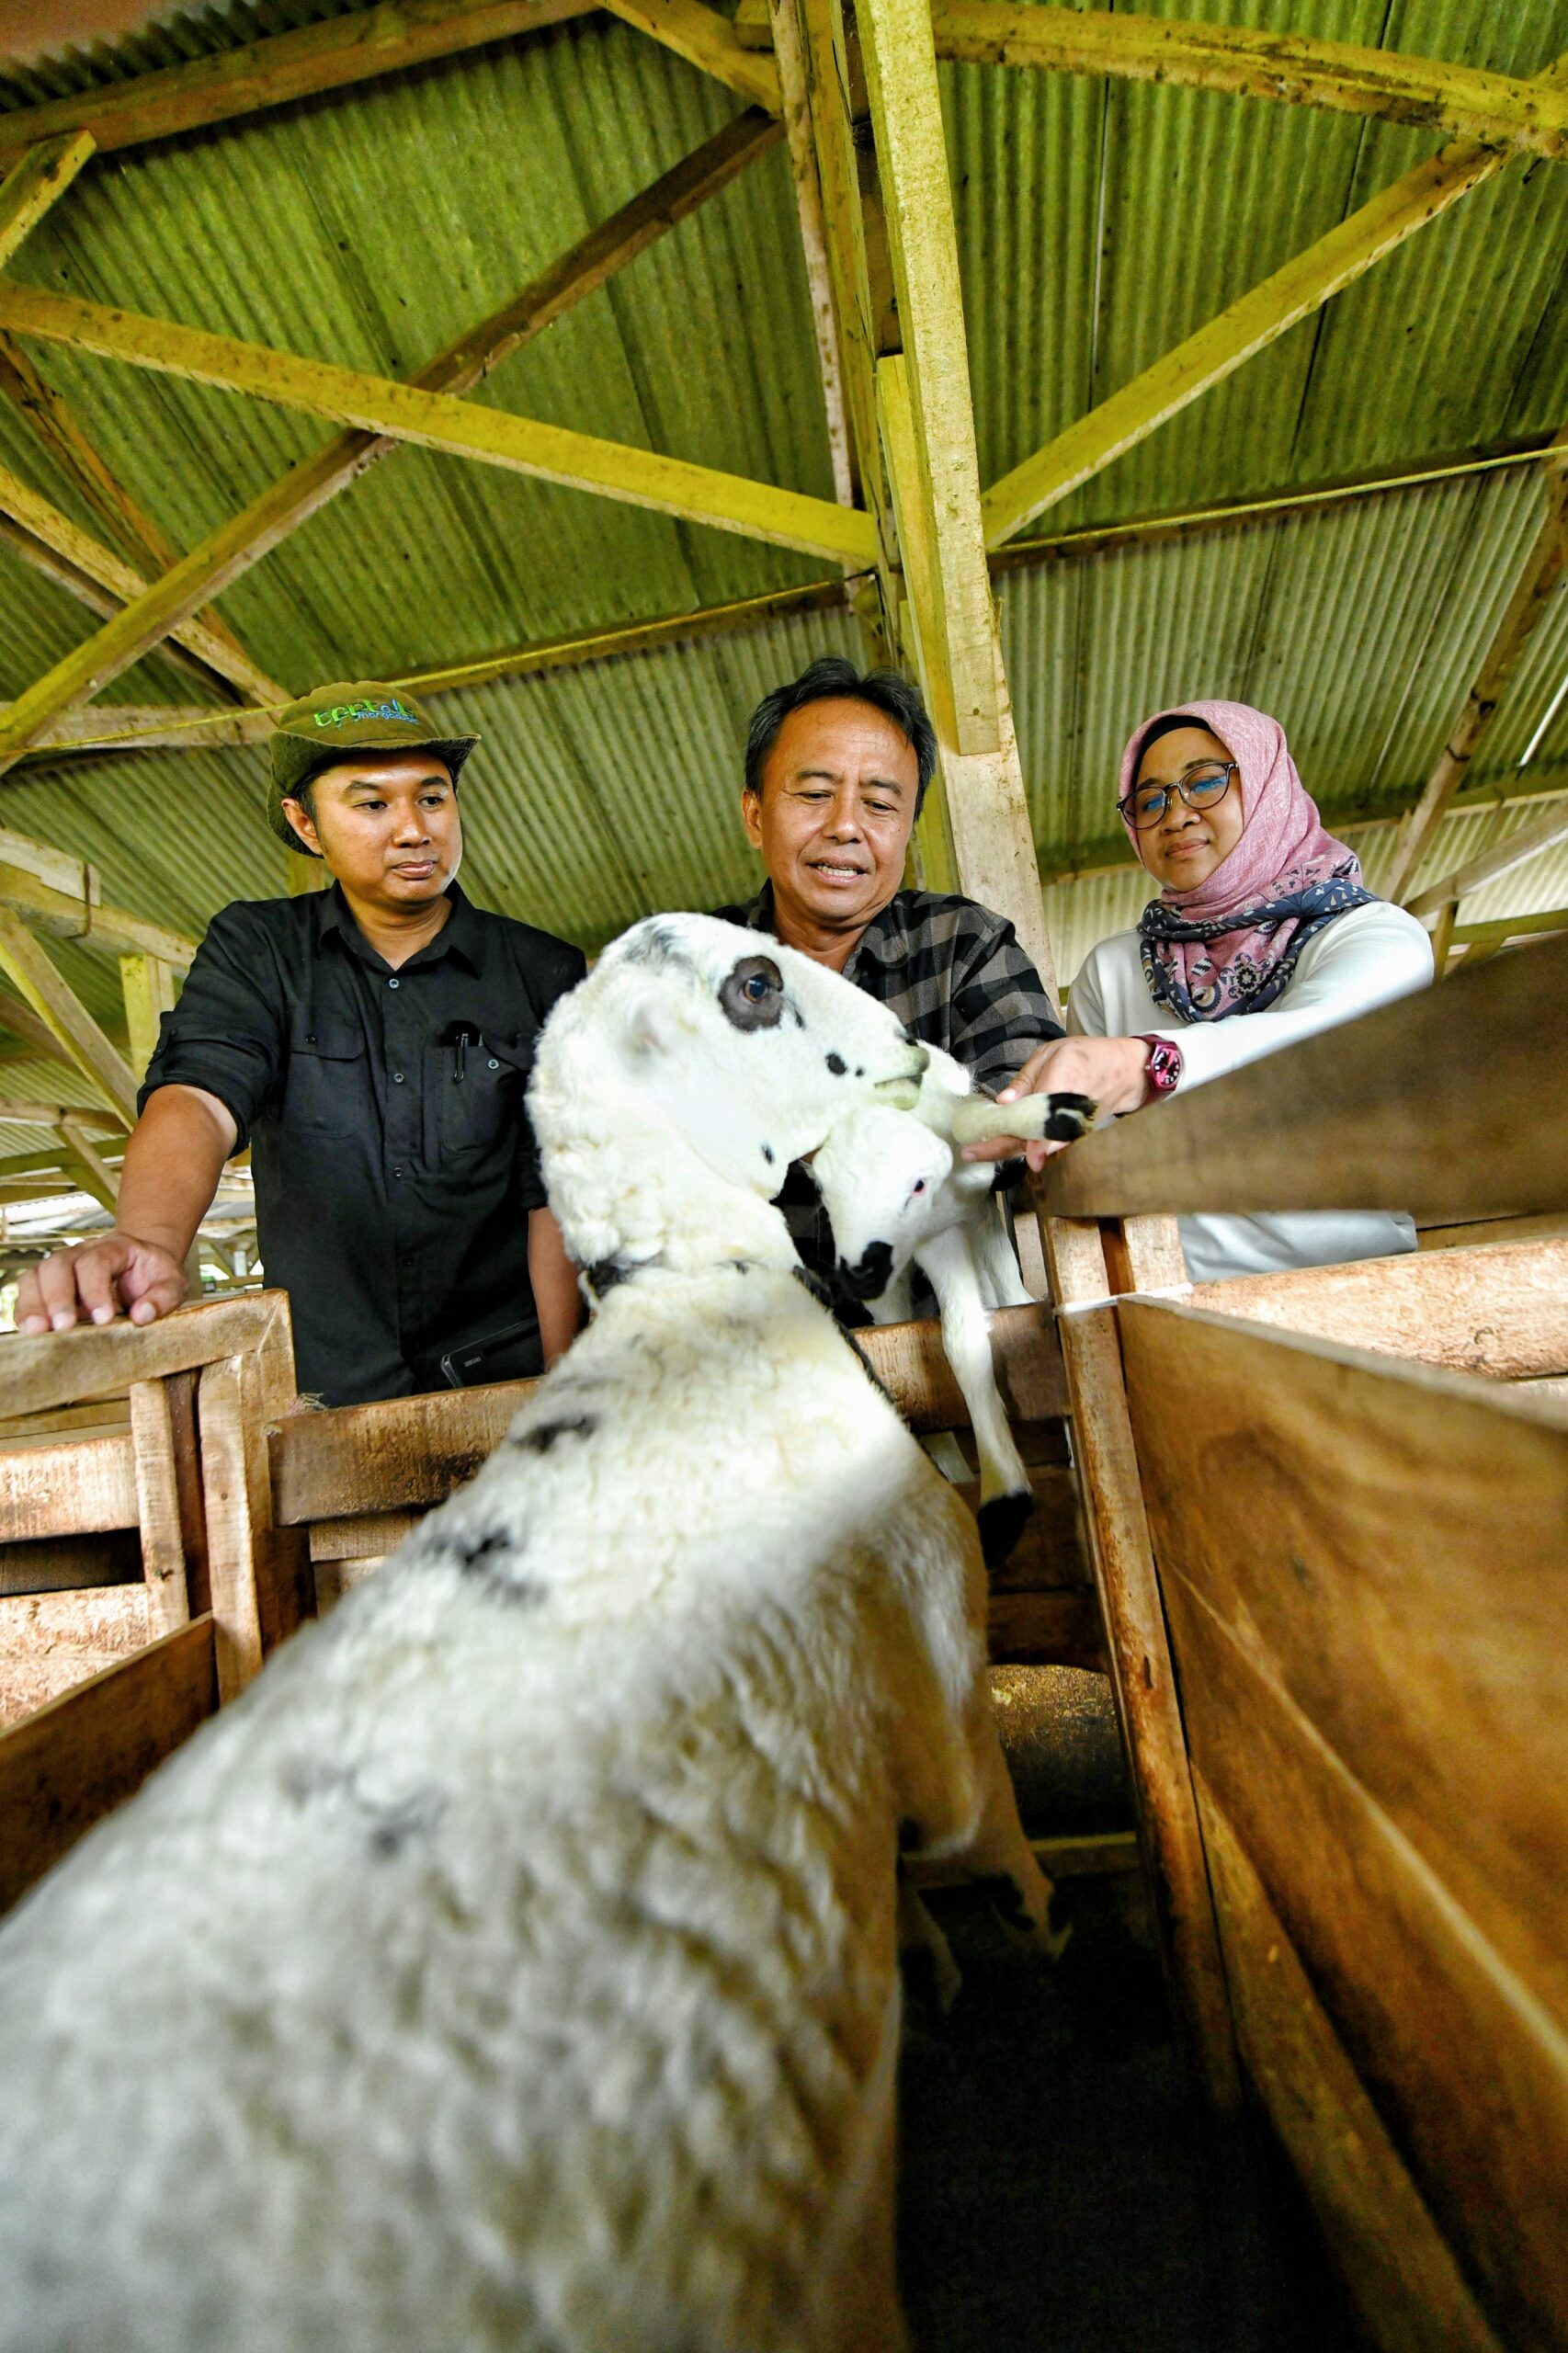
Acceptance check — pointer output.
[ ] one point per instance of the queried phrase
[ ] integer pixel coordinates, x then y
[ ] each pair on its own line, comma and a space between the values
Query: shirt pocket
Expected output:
324, 1085
479, 1095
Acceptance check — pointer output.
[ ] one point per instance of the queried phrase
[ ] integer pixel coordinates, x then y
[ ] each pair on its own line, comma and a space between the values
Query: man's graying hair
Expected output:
832, 678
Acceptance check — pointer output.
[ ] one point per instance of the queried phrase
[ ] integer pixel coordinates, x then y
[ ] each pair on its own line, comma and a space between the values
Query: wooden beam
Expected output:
23, 1023
49, 1115
58, 893
284, 505
70, 451
1295, 68
929, 436
1501, 929
88, 555
1440, 1105
1500, 1309
23, 961
65, 1768
1539, 577
35, 181
438, 421
280, 70
789, 58
101, 1360
1528, 842
86, 1164
1244, 327
706, 41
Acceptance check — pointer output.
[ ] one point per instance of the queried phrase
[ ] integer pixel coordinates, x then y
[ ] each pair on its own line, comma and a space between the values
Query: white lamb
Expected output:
898, 1196
514, 1966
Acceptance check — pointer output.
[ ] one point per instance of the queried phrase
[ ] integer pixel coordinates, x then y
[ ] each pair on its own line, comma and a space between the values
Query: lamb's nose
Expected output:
922, 1061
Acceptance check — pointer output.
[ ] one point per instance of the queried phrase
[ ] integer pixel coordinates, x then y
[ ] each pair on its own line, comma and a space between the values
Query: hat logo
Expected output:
335, 717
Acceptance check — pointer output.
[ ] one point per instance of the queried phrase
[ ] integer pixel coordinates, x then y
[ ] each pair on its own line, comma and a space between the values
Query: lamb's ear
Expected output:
653, 1027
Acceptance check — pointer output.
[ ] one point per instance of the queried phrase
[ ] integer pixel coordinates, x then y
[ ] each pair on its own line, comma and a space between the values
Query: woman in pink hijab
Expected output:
1262, 933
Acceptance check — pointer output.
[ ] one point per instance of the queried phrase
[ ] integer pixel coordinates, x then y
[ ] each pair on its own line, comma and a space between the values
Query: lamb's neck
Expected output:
685, 1217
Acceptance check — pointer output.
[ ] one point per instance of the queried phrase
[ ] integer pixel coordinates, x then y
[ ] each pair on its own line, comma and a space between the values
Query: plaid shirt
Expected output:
956, 978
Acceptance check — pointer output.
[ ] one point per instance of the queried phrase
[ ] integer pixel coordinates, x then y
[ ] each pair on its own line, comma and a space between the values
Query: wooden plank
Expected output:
1539, 576
66, 1766
1468, 1232
258, 1573
1093, 1856
86, 1164
101, 1360
1139, 1656
280, 69
1046, 1630
158, 1505
28, 966
34, 182
1401, 2272
705, 40
1498, 1309
1391, 1544
71, 915
408, 1452
1465, 2069
126, 583
1528, 842
1439, 1105
68, 1486
362, 1536
1244, 327
438, 421
51, 1640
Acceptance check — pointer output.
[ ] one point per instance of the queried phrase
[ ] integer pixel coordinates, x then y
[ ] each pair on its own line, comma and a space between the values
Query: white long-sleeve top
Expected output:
1362, 959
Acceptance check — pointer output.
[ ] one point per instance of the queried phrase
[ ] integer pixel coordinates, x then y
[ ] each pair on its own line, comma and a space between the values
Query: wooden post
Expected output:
150, 988
1141, 1674
158, 1505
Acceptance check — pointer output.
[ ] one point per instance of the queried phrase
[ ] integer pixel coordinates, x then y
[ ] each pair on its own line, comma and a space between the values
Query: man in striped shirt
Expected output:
837, 765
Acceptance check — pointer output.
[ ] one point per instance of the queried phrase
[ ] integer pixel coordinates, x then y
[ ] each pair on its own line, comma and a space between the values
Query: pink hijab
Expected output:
1231, 944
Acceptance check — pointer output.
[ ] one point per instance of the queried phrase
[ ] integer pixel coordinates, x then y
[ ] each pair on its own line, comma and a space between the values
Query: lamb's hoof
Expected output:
1069, 1116
1043, 1937
1001, 1521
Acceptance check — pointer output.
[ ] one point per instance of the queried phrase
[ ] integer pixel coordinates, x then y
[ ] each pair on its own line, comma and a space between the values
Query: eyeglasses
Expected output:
1201, 788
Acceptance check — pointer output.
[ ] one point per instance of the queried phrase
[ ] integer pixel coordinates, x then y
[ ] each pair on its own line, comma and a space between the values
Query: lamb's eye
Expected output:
920, 1184
756, 988
752, 994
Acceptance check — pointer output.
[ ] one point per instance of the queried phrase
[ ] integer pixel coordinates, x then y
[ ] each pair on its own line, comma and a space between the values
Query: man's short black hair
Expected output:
830, 679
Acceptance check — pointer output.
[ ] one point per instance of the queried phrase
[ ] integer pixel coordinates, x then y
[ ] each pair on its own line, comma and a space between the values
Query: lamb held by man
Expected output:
900, 1198
514, 1965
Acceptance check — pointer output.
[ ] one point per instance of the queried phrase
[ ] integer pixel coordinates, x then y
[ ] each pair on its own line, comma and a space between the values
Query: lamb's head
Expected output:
700, 1059
879, 1175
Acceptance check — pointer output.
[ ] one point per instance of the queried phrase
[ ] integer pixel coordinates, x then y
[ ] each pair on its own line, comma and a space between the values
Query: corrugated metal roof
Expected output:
1097, 224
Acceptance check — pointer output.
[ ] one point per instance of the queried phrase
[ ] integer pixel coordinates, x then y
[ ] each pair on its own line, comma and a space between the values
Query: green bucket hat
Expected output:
335, 721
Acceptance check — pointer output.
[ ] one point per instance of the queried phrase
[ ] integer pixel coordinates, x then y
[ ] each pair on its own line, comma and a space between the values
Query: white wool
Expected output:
514, 1965
899, 1196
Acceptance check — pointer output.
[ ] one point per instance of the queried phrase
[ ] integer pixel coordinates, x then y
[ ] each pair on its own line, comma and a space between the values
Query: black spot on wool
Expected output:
547, 1435
838, 1066
767, 1153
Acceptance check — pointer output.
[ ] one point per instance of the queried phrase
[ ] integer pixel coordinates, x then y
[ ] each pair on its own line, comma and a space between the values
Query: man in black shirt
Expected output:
372, 1044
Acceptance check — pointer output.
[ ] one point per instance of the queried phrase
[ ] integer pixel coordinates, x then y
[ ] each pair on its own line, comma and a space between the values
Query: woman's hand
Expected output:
1114, 1071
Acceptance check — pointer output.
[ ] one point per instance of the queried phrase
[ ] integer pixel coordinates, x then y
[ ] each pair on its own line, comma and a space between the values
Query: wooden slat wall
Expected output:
70, 1763
1365, 1572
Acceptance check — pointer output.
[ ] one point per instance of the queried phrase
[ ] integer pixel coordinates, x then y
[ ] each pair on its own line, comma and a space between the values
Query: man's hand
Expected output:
96, 1281
1114, 1071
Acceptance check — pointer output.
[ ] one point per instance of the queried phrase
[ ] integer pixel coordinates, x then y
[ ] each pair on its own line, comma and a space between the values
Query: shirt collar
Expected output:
885, 938
460, 936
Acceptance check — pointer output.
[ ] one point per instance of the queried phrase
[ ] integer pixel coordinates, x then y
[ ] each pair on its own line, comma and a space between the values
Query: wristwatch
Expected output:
1164, 1062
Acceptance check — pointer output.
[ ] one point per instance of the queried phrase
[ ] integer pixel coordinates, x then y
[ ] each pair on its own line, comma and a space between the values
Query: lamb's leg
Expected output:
922, 1947
1000, 1856
1005, 1497
1001, 1284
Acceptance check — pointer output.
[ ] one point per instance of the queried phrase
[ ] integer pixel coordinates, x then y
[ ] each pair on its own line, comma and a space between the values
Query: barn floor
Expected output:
1061, 2186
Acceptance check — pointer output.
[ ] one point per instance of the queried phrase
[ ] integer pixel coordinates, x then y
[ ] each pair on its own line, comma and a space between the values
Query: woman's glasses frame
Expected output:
1227, 768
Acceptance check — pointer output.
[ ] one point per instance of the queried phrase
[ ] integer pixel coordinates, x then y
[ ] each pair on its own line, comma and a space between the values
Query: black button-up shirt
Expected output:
956, 978
393, 1164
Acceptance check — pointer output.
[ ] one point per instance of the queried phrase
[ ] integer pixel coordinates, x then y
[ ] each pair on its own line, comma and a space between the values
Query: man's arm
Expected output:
553, 1280
173, 1163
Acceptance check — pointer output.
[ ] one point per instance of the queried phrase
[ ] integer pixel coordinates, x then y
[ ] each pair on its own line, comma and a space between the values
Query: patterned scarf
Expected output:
1231, 944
